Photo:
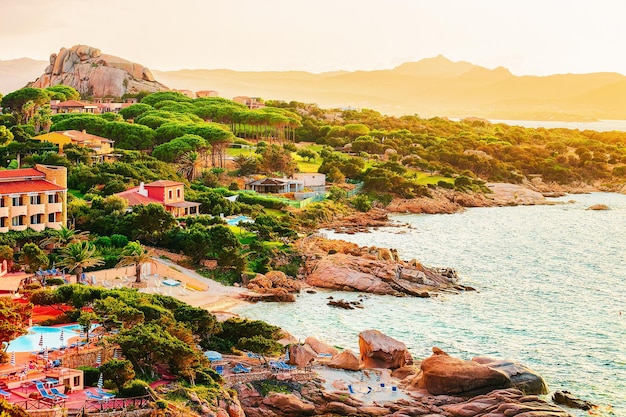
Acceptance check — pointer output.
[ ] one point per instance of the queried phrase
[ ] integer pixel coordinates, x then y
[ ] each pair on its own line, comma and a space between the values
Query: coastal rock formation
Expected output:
505, 403
444, 201
345, 266
520, 376
301, 355
345, 360
320, 347
444, 375
381, 351
93, 73
289, 404
274, 283
567, 399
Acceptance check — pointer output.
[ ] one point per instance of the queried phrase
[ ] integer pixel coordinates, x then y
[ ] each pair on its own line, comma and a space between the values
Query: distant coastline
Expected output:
602, 125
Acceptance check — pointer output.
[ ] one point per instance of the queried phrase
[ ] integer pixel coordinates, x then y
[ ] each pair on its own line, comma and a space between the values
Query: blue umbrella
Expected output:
12, 358
99, 359
45, 354
61, 337
213, 355
41, 341
100, 381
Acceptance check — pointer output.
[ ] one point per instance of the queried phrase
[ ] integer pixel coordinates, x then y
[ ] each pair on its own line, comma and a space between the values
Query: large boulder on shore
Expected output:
520, 376
442, 374
301, 355
381, 351
345, 360
320, 347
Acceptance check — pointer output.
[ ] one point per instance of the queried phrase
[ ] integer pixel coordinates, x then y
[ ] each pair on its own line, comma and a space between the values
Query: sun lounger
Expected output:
239, 368
46, 396
286, 367
5, 394
58, 393
94, 397
103, 393
219, 369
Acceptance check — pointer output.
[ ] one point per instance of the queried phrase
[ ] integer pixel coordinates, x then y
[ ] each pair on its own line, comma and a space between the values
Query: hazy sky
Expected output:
530, 37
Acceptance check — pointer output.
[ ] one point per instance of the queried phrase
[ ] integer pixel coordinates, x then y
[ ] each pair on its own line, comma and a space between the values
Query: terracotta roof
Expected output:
163, 183
79, 136
21, 173
72, 103
29, 186
136, 199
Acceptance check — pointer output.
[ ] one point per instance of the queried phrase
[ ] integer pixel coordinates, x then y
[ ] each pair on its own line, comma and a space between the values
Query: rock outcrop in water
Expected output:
93, 73
345, 266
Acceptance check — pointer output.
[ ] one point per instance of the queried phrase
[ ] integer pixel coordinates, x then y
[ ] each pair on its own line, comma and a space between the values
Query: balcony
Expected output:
55, 207
36, 209
4, 229
54, 225
19, 228
18, 211
38, 227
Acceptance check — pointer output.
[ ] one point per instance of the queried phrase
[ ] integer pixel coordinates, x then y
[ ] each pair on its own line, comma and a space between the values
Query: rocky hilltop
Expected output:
96, 74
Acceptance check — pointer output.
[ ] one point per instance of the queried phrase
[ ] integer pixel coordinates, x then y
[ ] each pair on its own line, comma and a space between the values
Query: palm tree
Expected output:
77, 256
135, 254
190, 165
63, 237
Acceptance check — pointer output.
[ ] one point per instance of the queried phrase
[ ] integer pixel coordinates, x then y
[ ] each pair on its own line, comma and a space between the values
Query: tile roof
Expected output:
135, 199
71, 103
28, 186
20, 173
163, 183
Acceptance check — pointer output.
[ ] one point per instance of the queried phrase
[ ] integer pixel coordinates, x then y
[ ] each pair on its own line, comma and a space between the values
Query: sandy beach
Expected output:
189, 287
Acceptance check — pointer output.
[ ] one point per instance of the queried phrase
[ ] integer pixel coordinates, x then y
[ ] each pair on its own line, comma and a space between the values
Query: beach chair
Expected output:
239, 368
58, 393
219, 369
94, 397
46, 396
5, 394
286, 367
274, 366
103, 393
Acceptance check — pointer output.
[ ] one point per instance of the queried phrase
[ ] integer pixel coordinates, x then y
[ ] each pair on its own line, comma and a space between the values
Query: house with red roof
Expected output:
33, 198
169, 194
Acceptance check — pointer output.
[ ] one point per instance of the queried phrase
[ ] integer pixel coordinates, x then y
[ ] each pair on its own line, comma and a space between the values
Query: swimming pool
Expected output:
51, 338
233, 221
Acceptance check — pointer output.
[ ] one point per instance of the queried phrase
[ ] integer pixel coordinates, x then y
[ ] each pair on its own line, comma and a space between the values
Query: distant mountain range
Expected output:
430, 87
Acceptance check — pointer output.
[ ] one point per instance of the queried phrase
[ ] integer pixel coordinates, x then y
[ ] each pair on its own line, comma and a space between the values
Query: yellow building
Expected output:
102, 147
33, 197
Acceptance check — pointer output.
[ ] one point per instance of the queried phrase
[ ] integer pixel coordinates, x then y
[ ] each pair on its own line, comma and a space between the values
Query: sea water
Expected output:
551, 293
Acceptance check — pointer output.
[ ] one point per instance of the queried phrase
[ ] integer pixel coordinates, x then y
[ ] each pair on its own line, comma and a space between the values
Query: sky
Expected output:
529, 37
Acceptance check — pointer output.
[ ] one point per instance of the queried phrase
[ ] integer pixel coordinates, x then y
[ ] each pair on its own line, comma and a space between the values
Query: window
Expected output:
2, 202
4, 222
169, 194
53, 198
178, 193
16, 201
36, 219
17, 221
35, 199
51, 218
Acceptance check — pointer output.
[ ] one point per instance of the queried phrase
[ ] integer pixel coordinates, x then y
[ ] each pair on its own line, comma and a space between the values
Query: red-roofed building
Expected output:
72, 106
33, 197
169, 194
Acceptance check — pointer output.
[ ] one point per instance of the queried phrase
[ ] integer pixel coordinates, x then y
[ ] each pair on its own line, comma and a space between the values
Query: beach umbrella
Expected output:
61, 337
45, 354
286, 354
99, 359
213, 355
82, 334
12, 358
41, 341
100, 381
115, 355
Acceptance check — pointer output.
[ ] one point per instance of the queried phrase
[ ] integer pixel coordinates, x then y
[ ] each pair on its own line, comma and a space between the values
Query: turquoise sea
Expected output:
551, 293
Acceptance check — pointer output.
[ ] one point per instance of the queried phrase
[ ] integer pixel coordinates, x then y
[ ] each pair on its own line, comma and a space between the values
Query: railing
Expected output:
144, 401
33, 404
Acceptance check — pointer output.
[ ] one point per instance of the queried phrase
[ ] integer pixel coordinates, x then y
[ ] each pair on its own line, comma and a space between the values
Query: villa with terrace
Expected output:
169, 194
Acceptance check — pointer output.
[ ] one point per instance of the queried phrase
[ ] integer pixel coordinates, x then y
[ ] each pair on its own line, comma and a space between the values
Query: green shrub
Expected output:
259, 344
91, 375
134, 388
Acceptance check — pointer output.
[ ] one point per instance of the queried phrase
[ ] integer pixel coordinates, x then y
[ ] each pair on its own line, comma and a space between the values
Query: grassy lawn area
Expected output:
235, 152
306, 166
425, 179
76, 194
